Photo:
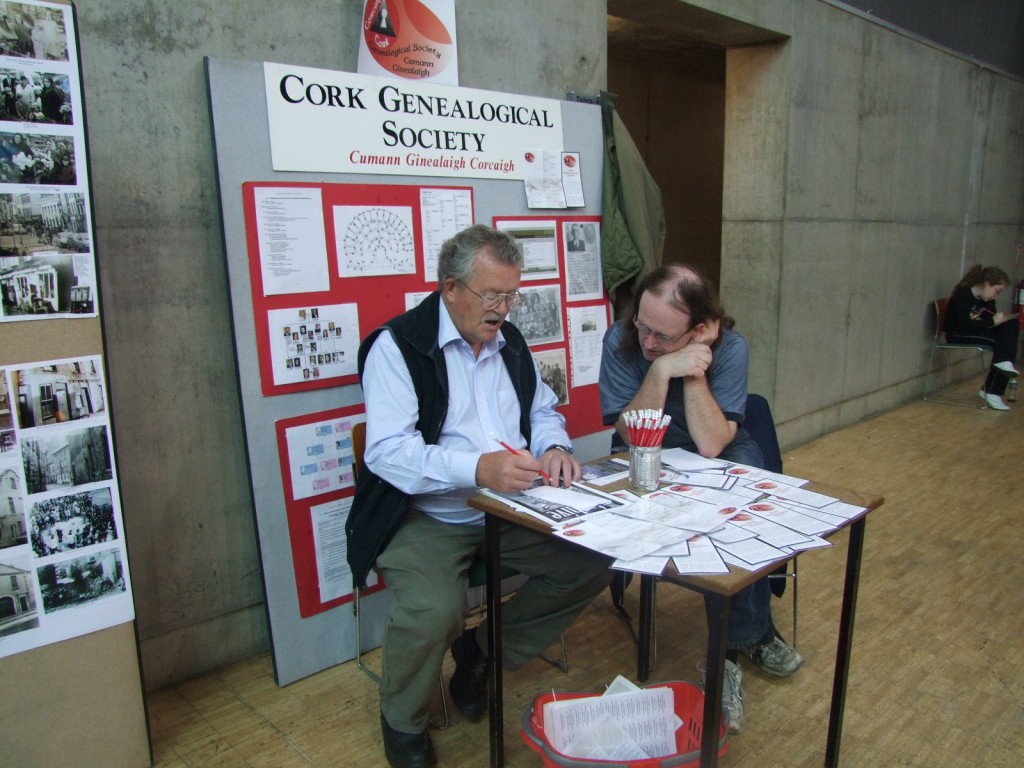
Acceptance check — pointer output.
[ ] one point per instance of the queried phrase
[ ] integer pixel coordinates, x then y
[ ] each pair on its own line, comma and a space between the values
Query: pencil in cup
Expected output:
646, 427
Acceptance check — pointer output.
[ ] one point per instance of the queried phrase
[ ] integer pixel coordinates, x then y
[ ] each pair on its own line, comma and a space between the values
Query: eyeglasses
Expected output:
661, 338
489, 301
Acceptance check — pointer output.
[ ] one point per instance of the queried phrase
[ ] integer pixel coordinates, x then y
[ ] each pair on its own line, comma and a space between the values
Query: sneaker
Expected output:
995, 402
1007, 367
776, 657
732, 692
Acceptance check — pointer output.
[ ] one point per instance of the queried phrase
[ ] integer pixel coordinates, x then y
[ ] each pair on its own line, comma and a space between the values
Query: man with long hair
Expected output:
679, 352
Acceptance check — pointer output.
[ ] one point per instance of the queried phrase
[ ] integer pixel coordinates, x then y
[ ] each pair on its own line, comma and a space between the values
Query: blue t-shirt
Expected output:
622, 374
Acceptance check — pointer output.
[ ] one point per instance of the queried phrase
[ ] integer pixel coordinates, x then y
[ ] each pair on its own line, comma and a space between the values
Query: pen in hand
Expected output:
510, 449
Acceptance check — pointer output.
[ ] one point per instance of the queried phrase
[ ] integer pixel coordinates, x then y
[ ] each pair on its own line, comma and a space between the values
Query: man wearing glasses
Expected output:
678, 352
445, 387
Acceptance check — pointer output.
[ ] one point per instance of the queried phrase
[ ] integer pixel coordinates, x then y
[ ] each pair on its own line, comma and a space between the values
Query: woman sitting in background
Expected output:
971, 318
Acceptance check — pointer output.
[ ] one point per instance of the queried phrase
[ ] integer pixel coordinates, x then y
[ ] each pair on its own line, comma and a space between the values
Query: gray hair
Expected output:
458, 254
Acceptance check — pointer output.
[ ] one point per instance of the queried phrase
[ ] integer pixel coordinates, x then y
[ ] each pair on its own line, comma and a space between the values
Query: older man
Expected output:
678, 352
443, 384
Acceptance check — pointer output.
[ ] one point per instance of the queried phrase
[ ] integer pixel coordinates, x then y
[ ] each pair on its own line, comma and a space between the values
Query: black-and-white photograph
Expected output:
81, 580
585, 502
18, 603
554, 373
539, 317
13, 532
579, 236
53, 394
8, 437
33, 32
42, 284
67, 523
31, 222
32, 96
66, 460
37, 158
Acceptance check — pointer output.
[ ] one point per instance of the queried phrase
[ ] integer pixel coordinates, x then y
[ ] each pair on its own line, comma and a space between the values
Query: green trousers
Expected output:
426, 566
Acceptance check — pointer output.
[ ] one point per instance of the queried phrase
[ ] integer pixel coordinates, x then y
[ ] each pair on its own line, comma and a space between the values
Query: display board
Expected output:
65, 588
372, 238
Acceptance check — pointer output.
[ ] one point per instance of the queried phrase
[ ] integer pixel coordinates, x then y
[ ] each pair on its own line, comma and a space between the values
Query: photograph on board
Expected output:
539, 317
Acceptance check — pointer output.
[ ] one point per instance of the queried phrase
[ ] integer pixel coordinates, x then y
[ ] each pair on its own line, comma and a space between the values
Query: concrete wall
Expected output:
178, 426
865, 171
862, 171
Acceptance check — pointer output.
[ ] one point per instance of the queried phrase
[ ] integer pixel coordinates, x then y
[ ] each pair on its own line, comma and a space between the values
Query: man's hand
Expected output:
695, 358
507, 472
561, 467
692, 360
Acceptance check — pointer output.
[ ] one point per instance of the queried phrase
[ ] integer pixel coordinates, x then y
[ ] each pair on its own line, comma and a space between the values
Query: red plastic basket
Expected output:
689, 705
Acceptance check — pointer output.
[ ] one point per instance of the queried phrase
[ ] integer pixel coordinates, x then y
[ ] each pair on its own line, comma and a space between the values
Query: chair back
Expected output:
761, 426
941, 305
358, 446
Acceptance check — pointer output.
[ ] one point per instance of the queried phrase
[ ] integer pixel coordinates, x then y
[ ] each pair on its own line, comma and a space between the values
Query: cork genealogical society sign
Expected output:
323, 121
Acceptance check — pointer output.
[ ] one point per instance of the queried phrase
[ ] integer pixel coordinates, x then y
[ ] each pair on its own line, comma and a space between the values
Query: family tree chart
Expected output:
374, 241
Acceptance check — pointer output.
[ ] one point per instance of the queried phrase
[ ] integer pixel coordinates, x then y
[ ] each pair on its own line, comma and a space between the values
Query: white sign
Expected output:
323, 121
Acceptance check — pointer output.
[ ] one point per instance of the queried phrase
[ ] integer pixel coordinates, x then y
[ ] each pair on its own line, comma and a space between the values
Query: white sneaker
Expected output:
995, 402
1007, 367
732, 692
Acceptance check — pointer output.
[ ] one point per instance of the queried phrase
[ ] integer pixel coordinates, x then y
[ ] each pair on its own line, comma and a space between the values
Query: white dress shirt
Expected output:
482, 409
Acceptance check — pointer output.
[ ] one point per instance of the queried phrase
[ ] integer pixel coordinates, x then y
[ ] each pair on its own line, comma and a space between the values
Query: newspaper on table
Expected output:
558, 506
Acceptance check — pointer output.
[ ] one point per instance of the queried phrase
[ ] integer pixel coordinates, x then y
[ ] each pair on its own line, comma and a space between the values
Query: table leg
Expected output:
643, 651
495, 705
845, 643
714, 676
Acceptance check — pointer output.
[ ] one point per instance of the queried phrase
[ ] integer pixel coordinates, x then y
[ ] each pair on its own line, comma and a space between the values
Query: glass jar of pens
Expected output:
647, 429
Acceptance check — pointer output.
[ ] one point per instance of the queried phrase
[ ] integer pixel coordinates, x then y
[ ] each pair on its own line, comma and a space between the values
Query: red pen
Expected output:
510, 449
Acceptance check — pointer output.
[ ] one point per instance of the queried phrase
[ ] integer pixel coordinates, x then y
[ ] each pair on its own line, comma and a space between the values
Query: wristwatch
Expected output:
556, 447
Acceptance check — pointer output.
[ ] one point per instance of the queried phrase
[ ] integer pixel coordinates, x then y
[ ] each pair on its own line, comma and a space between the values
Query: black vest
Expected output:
378, 507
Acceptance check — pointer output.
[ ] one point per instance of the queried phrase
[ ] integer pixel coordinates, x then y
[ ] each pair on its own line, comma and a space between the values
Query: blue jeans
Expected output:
750, 609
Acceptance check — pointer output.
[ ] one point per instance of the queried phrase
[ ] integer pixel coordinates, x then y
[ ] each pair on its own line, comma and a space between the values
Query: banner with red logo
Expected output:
410, 39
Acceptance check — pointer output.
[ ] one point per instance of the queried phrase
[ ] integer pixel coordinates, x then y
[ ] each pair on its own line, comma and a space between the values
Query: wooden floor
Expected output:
937, 676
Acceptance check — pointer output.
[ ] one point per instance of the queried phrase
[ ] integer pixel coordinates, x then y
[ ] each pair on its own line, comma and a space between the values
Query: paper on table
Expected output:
770, 509
730, 532
679, 512
706, 479
813, 542
734, 497
752, 551
747, 475
687, 461
769, 532
557, 506
703, 558
619, 537
652, 564
801, 496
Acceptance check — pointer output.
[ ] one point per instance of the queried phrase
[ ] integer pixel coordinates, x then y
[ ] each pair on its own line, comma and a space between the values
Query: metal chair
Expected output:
940, 306
477, 581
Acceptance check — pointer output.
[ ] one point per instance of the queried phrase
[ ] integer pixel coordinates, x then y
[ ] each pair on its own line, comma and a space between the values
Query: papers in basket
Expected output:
626, 723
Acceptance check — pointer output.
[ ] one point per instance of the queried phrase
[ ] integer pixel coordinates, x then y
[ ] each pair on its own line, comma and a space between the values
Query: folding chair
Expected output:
940, 306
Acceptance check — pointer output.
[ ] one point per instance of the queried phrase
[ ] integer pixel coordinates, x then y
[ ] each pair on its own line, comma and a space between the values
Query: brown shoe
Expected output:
407, 750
